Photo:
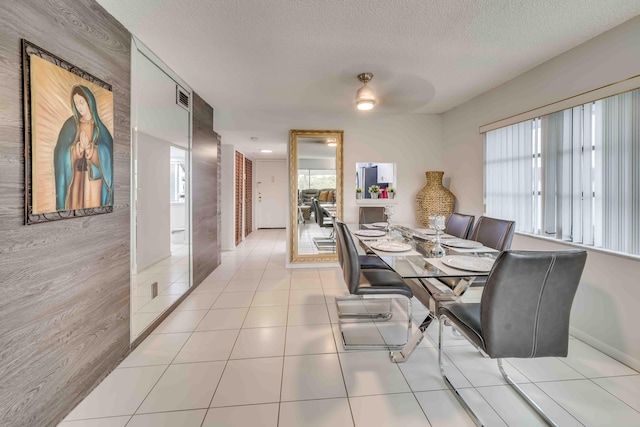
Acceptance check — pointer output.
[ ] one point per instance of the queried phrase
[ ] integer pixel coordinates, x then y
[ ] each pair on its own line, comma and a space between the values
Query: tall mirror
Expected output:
161, 153
315, 181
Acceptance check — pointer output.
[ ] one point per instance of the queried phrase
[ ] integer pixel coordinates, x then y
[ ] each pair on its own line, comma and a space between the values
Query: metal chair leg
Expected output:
464, 405
525, 396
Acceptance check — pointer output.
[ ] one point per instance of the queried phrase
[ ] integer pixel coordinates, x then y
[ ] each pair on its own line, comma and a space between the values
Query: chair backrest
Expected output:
349, 253
371, 214
494, 233
459, 225
526, 303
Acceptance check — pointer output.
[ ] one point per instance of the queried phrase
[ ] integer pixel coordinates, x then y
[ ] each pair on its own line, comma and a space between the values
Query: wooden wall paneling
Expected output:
64, 285
205, 183
238, 196
248, 196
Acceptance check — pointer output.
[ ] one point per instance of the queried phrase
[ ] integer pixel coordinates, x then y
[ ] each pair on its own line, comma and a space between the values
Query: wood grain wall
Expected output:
205, 159
64, 286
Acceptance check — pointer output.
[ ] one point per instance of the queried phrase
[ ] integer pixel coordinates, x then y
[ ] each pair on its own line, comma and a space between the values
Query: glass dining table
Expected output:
407, 252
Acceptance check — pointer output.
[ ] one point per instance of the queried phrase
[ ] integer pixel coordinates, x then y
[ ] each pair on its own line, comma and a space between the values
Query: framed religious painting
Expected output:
68, 123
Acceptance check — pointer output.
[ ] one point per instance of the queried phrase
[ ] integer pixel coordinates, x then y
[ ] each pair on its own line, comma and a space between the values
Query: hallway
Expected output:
257, 345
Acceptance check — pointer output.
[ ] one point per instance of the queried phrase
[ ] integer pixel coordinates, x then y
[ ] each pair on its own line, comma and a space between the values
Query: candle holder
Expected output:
437, 223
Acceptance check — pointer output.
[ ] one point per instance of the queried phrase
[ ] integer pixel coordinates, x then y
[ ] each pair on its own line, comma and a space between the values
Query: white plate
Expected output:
426, 231
370, 233
469, 263
391, 246
461, 243
380, 224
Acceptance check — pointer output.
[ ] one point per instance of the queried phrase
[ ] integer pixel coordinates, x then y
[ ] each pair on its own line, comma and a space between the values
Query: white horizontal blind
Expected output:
588, 174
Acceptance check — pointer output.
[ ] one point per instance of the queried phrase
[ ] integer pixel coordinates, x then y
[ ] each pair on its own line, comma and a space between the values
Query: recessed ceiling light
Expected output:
332, 144
266, 151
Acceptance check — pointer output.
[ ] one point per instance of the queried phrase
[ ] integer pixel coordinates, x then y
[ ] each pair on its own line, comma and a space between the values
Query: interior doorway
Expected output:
272, 185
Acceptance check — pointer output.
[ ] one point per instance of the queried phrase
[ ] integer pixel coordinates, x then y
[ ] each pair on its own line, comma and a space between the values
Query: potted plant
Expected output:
374, 190
358, 193
392, 192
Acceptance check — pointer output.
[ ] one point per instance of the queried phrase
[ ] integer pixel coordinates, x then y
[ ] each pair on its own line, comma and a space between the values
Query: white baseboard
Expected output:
628, 360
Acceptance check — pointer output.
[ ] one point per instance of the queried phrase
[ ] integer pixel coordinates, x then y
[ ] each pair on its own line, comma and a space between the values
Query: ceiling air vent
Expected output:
182, 98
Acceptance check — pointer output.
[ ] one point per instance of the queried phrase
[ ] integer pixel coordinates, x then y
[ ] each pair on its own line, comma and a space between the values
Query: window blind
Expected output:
573, 175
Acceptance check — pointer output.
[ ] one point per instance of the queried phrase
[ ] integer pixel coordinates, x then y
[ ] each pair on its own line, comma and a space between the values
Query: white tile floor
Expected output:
255, 345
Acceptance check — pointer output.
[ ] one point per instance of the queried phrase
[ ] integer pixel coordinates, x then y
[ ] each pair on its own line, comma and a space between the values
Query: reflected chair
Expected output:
321, 215
524, 312
372, 283
459, 225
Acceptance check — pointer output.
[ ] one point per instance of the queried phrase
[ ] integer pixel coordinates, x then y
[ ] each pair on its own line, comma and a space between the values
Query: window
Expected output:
573, 175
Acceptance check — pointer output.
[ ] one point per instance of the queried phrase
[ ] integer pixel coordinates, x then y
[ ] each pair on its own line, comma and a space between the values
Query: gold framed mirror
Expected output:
315, 175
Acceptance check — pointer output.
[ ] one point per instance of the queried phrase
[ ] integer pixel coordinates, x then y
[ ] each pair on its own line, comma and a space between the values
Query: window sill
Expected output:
580, 246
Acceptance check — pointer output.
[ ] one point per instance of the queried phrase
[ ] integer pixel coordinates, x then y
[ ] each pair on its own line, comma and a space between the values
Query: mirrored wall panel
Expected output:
161, 147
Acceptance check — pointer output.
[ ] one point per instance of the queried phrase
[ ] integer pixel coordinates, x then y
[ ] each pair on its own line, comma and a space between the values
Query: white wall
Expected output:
604, 311
153, 218
412, 141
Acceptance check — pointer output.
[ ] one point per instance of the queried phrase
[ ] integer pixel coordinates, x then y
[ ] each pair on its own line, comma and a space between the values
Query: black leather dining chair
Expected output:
371, 214
493, 233
367, 284
459, 225
524, 312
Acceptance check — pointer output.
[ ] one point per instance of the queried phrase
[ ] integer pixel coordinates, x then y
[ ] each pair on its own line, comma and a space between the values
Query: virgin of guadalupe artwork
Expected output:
69, 137
82, 156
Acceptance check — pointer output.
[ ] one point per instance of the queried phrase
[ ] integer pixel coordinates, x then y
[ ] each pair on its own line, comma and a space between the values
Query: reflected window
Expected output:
316, 178
178, 175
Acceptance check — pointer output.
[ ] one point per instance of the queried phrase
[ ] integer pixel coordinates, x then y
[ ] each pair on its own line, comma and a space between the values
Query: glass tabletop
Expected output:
416, 263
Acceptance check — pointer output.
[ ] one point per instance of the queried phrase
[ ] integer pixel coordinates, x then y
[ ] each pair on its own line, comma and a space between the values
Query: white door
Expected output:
272, 184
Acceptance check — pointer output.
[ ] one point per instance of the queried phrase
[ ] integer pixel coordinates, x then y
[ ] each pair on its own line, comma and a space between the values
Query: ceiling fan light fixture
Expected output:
365, 97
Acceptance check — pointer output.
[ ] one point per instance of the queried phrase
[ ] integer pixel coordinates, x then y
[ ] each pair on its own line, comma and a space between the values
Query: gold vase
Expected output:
434, 199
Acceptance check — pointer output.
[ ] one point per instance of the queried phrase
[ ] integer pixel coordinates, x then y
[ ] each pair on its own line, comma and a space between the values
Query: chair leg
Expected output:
375, 319
525, 396
464, 405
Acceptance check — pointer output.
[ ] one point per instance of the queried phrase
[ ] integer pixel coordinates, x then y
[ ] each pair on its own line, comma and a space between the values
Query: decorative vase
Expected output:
374, 195
392, 194
358, 195
434, 199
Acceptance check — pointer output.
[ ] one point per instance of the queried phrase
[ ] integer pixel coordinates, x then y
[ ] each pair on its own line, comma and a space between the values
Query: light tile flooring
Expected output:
172, 276
256, 345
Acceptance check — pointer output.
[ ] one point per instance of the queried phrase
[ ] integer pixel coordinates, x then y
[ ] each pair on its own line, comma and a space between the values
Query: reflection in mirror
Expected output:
382, 175
316, 193
161, 220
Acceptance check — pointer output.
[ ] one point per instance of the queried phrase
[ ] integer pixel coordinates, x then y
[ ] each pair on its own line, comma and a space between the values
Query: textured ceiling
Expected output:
427, 56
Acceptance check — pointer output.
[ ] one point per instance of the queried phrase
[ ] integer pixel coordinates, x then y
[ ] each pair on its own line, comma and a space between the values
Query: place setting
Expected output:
469, 263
